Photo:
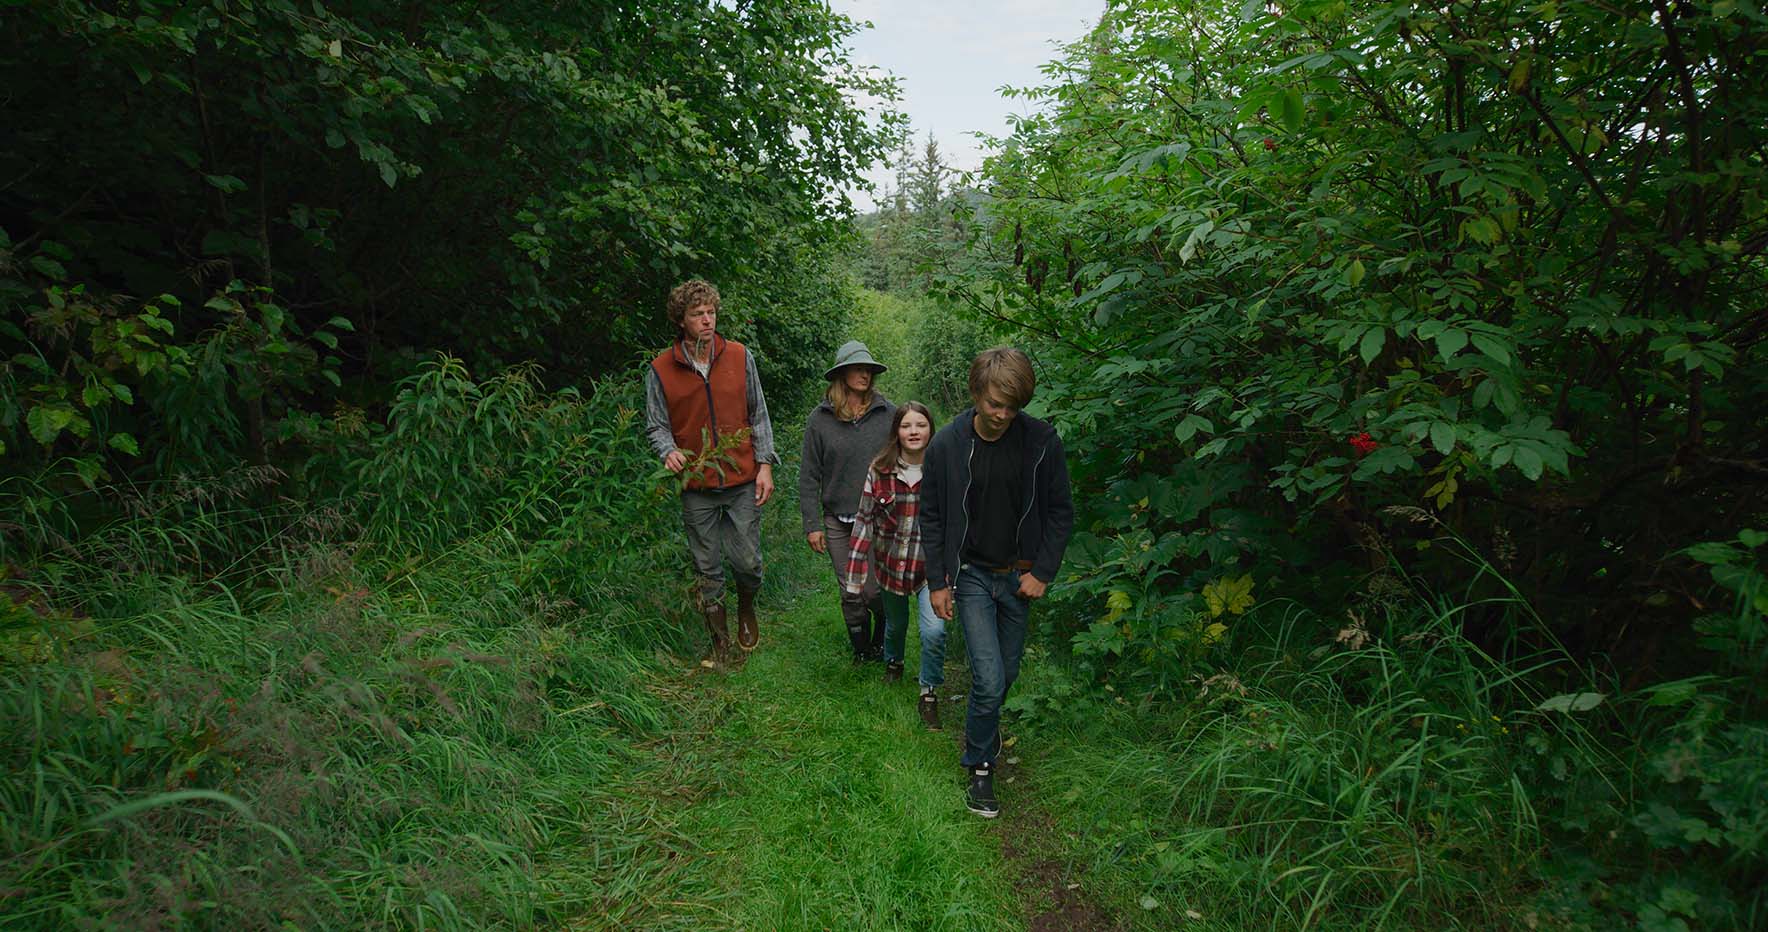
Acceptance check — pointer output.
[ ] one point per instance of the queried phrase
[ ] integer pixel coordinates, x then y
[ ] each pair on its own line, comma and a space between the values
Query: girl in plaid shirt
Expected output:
887, 538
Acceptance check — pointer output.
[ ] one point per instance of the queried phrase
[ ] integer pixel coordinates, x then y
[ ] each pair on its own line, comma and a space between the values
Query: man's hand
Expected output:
675, 461
1031, 587
818, 541
764, 484
942, 602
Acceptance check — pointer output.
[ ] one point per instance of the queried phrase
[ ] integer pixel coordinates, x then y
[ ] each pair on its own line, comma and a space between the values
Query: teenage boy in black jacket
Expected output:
995, 518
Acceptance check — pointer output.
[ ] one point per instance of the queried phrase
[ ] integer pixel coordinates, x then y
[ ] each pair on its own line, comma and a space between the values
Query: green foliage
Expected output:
341, 752
1361, 779
1502, 261
915, 231
928, 345
1359, 302
219, 717
319, 198
1685, 848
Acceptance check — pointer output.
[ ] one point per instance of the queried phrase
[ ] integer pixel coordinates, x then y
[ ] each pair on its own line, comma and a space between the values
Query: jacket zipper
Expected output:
1030, 502
711, 409
969, 476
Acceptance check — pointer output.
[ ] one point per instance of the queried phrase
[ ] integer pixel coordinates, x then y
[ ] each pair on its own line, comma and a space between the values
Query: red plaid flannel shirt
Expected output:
889, 523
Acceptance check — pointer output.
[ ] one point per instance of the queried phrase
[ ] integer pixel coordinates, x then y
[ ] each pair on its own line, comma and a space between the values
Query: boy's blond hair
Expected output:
688, 295
1005, 369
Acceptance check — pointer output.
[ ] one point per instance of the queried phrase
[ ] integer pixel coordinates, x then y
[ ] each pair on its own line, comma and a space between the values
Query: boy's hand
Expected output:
1031, 587
675, 461
818, 541
942, 602
764, 484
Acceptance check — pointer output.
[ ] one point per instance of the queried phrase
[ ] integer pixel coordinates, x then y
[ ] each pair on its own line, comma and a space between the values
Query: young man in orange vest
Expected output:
706, 387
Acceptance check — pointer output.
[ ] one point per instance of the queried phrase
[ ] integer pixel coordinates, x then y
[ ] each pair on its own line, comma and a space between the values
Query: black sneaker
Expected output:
893, 671
980, 798
929, 709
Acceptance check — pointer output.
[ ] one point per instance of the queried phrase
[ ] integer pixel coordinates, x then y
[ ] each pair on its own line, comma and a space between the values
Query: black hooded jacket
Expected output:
1049, 510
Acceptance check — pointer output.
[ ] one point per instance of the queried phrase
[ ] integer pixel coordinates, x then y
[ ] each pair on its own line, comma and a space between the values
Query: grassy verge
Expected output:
347, 751
1346, 785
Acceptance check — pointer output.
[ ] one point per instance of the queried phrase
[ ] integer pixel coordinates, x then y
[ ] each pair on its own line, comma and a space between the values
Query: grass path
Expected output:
805, 794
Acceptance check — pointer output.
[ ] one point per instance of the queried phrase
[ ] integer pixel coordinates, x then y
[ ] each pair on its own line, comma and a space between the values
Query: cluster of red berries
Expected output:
1363, 443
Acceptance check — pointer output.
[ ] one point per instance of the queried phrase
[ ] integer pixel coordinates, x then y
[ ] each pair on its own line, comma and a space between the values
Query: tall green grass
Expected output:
406, 707
1312, 787
1380, 770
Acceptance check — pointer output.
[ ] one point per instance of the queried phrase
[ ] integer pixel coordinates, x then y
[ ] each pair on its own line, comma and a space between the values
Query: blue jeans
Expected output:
932, 627
993, 615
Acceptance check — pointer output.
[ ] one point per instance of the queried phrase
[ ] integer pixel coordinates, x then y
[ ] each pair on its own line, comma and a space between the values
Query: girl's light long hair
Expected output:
890, 456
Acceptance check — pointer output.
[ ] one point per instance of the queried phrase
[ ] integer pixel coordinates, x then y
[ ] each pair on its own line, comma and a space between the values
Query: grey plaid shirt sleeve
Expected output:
657, 415
760, 426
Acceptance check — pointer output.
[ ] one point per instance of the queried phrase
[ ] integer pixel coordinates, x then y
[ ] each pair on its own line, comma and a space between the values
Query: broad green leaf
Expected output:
1189, 427
1449, 342
1491, 347
1290, 111
1371, 344
1228, 596
1571, 702
227, 183
49, 268
1528, 461
1442, 436
46, 422
1353, 275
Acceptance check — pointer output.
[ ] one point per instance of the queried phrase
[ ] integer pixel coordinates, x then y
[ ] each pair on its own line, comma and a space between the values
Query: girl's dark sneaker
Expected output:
929, 709
893, 671
980, 798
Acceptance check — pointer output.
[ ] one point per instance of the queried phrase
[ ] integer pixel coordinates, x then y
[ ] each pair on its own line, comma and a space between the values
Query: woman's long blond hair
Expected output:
890, 457
847, 405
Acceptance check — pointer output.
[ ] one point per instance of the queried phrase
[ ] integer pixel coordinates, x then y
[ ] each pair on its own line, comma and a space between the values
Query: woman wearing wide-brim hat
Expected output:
844, 432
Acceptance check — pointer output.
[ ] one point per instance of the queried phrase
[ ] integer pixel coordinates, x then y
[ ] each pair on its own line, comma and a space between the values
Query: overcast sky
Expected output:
953, 56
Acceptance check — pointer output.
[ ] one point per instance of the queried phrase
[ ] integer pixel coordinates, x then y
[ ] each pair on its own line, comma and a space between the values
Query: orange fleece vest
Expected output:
715, 406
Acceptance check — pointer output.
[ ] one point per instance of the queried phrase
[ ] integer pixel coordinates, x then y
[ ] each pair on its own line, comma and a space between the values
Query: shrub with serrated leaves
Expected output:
1284, 265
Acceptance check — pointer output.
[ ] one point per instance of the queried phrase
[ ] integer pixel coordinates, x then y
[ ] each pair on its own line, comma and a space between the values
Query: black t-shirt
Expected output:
996, 498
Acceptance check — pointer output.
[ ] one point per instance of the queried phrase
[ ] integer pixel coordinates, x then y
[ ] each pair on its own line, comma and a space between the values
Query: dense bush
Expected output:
1446, 324
1373, 767
1290, 264
222, 219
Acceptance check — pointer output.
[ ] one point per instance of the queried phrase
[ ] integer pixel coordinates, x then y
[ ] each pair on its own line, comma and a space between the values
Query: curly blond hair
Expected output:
691, 294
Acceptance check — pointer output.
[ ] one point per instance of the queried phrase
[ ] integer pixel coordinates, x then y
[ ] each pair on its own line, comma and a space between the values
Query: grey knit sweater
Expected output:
832, 468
